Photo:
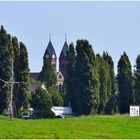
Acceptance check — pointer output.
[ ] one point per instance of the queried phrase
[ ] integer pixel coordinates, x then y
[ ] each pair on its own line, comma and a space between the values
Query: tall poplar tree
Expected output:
125, 84
23, 78
111, 105
6, 55
16, 62
13, 67
103, 79
137, 81
70, 79
86, 91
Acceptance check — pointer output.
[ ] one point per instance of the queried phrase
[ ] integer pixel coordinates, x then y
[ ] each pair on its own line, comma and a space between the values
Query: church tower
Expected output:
50, 55
63, 58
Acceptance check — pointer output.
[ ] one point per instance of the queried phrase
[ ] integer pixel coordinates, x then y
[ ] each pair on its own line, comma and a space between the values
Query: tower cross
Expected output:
65, 37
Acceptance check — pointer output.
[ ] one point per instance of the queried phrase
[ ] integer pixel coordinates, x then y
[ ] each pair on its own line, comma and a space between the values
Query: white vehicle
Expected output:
62, 111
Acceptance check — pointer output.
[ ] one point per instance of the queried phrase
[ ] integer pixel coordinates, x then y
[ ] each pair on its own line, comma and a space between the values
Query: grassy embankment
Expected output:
79, 127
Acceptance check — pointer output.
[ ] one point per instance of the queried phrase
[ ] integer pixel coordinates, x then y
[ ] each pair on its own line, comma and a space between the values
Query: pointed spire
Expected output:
65, 37
64, 49
50, 51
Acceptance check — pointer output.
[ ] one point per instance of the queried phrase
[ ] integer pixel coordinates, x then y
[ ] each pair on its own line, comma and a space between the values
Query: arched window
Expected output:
60, 76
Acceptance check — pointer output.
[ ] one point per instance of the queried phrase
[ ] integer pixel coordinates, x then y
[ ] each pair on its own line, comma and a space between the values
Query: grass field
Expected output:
79, 127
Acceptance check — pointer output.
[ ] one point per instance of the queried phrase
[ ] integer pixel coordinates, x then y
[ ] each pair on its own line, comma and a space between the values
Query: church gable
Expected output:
60, 78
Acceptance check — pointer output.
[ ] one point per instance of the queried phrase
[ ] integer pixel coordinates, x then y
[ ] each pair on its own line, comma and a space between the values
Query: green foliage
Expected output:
47, 75
6, 55
86, 93
70, 79
137, 81
111, 106
14, 59
106, 76
90, 82
23, 78
110, 62
125, 84
103, 78
41, 103
16, 50
56, 98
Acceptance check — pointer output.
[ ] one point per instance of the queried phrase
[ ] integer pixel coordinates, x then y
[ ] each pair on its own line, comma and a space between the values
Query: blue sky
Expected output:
109, 26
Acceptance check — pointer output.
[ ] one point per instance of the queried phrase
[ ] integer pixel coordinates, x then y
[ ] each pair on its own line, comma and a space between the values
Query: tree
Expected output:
103, 79
87, 84
23, 78
56, 98
111, 106
16, 62
47, 75
125, 84
41, 103
6, 55
137, 81
110, 62
70, 79
103, 66
13, 66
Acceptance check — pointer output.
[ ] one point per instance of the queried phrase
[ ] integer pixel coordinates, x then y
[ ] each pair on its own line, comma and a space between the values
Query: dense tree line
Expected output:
92, 86
13, 67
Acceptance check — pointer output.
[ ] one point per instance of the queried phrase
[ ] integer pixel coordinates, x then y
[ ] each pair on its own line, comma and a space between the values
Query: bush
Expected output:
41, 103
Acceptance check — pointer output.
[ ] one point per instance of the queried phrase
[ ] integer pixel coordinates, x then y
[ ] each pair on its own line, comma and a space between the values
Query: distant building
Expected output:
35, 86
50, 55
63, 59
34, 75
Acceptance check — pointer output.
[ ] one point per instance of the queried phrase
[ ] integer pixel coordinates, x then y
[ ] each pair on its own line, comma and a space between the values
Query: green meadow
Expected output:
105, 127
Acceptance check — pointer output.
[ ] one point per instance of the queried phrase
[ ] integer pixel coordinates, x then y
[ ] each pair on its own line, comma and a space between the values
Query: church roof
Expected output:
64, 50
34, 86
34, 75
49, 51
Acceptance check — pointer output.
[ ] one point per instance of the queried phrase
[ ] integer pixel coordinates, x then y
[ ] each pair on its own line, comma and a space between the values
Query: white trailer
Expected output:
62, 111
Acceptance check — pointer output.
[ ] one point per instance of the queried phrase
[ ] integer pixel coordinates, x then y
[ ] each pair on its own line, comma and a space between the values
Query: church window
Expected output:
53, 56
47, 56
60, 76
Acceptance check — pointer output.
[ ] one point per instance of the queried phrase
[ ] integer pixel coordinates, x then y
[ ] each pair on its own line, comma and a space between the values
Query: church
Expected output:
50, 55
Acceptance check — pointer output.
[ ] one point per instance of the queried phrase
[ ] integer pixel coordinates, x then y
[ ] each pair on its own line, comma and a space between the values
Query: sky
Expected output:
108, 26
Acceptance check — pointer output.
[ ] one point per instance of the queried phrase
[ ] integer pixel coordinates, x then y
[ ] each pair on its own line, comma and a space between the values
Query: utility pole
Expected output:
11, 93
11, 83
